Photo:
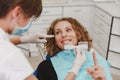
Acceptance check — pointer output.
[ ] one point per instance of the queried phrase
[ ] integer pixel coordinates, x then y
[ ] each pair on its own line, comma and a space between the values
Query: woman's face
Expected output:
64, 33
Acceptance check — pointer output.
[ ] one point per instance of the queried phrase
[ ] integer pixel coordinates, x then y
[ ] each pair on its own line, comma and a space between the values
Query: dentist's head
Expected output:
16, 15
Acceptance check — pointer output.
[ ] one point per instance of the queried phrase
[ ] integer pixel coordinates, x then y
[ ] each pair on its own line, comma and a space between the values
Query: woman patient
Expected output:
71, 64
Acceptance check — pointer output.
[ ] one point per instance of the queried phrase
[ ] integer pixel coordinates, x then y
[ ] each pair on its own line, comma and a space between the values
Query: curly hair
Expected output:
81, 32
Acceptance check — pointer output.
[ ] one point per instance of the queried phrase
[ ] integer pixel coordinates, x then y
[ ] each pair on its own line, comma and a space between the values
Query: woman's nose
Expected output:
64, 34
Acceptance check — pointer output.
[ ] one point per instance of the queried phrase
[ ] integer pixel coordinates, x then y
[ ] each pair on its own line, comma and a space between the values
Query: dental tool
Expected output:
69, 45
82, 45
46, 36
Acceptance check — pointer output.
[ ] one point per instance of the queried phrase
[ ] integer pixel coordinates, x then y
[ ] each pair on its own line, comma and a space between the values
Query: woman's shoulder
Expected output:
46, 71
44, 65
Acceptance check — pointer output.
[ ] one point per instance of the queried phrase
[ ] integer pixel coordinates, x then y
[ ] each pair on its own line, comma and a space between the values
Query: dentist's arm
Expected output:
15, 40
30, 38
31, 77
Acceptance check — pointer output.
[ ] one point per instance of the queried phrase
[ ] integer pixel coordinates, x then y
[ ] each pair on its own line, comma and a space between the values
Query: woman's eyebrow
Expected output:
68, 27
65, 28
57, 29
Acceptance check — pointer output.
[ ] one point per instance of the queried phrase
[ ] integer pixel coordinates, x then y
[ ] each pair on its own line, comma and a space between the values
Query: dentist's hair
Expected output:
29, 7
81, 32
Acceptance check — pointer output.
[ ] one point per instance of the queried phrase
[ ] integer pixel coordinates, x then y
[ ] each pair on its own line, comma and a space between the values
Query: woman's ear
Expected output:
79, 37
55, 43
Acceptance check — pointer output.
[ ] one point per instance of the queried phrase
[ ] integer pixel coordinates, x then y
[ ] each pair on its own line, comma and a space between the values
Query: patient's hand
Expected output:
79, 61
96, 71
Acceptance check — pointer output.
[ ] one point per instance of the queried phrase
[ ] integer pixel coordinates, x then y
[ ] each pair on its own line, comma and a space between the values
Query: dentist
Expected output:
16, 17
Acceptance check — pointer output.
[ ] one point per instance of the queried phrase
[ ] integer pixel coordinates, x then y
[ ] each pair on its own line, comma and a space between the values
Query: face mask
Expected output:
18, 30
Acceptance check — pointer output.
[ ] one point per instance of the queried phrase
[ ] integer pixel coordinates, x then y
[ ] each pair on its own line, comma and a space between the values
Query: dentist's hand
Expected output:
79, 61
35, 38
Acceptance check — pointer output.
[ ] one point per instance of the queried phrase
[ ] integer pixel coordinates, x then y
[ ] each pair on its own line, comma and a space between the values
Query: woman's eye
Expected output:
58, 32
68, 30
